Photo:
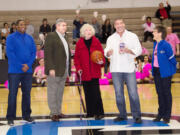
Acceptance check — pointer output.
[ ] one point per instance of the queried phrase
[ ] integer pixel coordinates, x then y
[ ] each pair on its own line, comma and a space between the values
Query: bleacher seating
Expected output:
131, 16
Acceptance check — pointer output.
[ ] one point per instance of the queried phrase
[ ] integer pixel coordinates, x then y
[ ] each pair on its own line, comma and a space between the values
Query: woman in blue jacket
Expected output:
164, 66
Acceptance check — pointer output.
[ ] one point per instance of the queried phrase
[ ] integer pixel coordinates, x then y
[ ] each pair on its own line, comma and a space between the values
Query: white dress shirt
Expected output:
65, 47
123, 62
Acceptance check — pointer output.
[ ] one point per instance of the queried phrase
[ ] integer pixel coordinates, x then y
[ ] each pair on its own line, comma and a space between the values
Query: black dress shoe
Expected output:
138, 121
166, 120
99, 117
29, 119
118, 119
89, 116
10, 122
157, 119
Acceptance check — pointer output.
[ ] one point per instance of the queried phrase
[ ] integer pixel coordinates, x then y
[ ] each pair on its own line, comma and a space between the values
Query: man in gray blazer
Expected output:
57, 67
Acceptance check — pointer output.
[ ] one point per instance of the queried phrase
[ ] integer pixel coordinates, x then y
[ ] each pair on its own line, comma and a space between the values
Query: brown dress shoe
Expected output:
62, 116
55, 118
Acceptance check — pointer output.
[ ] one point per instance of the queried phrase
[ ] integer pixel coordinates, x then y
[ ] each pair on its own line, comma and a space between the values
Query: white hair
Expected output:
87, 26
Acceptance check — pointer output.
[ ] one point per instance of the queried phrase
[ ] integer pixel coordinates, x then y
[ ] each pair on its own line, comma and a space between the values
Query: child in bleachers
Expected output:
138, 70
146, 70
39, 73
73, 78
39, 52
148, 29
144, 51
143, 70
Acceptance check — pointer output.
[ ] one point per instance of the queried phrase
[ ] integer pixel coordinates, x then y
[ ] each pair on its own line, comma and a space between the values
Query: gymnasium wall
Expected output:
7, 5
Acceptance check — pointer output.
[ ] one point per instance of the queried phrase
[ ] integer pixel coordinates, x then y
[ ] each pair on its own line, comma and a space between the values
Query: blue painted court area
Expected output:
51, 128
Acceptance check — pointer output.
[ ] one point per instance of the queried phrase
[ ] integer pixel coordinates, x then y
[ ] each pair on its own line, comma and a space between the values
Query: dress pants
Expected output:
26, 84
163, 89
94, 105
55, 89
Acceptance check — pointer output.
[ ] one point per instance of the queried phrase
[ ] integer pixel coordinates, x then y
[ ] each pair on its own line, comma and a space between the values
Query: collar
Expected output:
19, 33
63, 35
124, 33
159, 42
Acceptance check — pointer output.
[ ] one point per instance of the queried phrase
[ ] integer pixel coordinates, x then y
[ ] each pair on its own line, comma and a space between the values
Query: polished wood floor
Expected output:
71, 100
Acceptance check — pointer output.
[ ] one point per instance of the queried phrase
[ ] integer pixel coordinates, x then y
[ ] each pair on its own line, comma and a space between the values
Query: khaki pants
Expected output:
166, 22
55, 89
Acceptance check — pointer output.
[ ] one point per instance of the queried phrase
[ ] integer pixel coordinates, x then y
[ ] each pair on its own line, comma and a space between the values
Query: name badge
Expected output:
162, 52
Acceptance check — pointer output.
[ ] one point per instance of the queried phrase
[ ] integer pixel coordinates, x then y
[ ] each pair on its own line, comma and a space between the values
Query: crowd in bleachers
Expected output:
102, 32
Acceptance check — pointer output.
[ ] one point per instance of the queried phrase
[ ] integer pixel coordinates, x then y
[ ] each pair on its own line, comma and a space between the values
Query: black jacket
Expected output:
168, 9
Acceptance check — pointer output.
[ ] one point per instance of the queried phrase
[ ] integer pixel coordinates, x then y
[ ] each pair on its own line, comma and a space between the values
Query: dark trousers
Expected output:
147, 34
94, 105
106, 66
26, 83
163, 89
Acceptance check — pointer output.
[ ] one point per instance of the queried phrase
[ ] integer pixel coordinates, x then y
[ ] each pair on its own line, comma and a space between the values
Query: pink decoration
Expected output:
103, 81
6, 84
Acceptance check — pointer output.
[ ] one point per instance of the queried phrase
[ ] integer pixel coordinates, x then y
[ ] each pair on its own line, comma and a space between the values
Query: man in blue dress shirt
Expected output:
21, 53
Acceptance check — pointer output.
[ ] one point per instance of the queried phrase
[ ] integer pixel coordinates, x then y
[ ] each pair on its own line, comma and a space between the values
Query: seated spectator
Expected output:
3, 43
1, 52
29, 27
54, 27
39, 52
138, 64
143, 70
163, 13
73, 78
96, 26
106, 30
144, 50
39, 73
148, 29
5, 31
13, 28
146, 70
45, 27
78, 22
42, 39
173, 40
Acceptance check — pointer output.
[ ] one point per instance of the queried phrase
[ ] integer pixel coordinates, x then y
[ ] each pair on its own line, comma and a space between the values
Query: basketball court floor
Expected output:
73, 125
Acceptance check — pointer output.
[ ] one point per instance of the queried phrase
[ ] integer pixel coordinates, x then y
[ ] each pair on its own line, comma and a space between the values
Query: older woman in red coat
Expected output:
90, 71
